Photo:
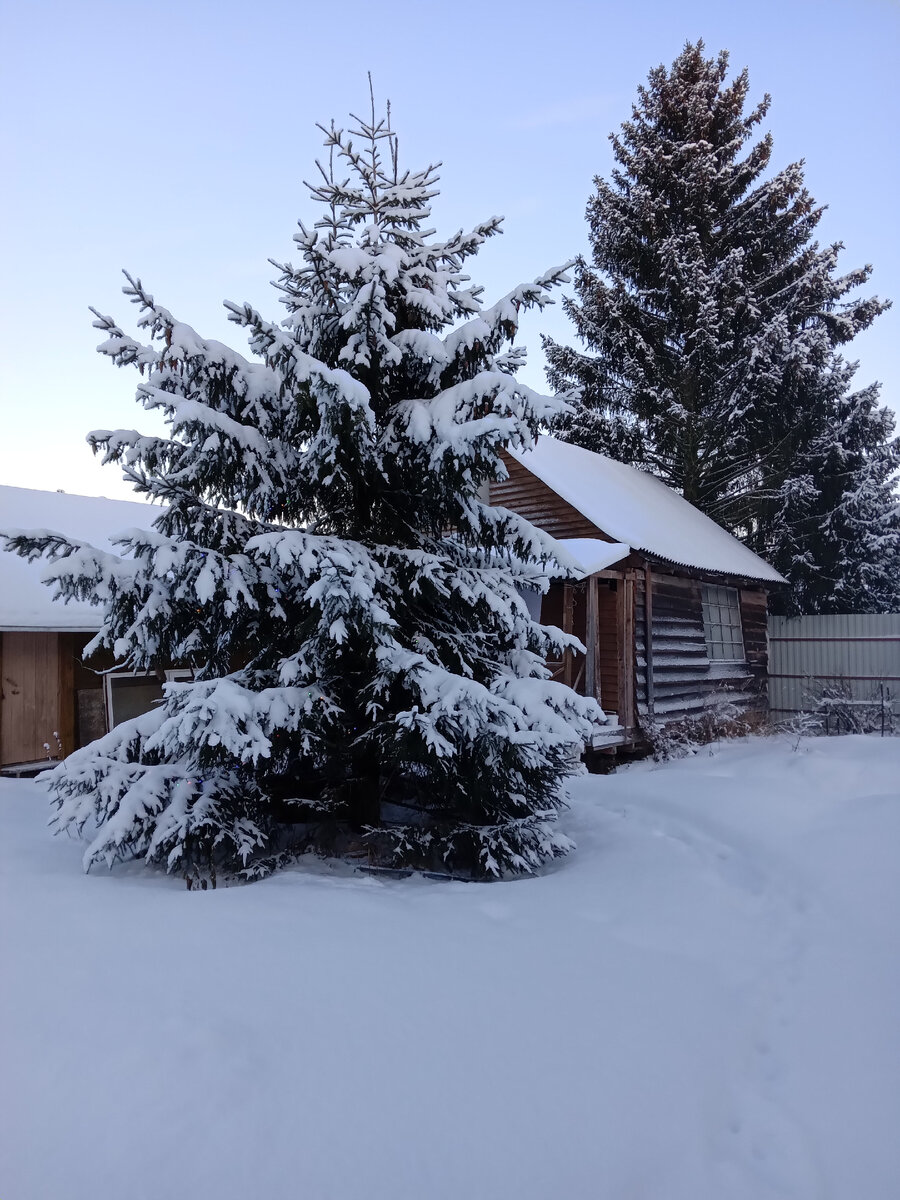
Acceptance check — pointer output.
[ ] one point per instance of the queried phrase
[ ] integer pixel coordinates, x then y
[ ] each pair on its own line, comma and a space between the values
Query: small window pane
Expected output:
132, 695
722, 623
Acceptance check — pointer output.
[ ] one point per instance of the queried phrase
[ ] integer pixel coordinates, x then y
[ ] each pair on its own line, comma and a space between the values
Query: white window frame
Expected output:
177, 673
722, 626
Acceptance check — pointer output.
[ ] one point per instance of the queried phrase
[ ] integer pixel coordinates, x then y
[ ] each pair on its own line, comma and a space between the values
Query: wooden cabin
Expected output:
671, 609
50, 703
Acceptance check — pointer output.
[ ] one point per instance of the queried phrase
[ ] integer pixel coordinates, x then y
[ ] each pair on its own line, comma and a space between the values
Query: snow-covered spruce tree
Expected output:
365, 665
707, 313
833, 525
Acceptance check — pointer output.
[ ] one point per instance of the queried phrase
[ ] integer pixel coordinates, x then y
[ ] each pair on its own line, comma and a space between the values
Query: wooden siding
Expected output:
609, 658
524, 493
47, 691
29, 697
685, 681
626, 614
65, 695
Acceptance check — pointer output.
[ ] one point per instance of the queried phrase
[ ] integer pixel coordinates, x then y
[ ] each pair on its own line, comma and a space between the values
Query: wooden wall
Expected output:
609, 646
685, 681
524, 493
29, 699
46, 690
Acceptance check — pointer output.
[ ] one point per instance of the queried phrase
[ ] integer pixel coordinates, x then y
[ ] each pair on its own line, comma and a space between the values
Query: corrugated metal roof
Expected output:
638, 509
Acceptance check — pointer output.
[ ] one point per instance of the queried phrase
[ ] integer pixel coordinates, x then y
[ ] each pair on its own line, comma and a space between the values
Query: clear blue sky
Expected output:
173, 138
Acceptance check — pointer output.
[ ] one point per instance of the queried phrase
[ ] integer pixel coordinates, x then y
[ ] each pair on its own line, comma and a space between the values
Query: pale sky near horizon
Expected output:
173, 138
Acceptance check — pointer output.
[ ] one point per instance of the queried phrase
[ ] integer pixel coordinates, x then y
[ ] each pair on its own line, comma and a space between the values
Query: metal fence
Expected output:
839, 661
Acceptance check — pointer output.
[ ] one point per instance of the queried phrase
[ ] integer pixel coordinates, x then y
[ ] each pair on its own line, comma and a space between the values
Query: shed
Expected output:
674, 622
50, 703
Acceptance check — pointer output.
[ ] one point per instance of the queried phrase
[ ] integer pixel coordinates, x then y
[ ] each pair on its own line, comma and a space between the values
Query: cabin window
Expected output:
722, 623
130, 693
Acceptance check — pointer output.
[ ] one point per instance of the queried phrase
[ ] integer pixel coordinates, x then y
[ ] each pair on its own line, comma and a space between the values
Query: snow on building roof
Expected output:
640, 510
592, 554
25, 602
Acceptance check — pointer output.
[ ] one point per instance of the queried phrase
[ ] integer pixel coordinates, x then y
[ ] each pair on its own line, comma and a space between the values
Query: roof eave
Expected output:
654, 558
49, 628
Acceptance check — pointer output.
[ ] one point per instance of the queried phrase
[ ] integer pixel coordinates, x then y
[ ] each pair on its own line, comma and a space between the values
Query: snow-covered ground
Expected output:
702, 1003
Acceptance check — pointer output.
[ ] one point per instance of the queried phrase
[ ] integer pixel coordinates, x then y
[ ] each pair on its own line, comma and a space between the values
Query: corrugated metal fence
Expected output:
853, 659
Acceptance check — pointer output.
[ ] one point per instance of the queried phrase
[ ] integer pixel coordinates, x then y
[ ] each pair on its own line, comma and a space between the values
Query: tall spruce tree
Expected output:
365, 664
710, 320
833, 526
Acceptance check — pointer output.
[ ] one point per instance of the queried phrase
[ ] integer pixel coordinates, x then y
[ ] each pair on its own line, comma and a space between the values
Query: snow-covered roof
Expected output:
592, 554
639, 510
25, 602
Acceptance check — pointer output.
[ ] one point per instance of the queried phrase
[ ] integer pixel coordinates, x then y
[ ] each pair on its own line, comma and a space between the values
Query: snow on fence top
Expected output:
640, 510
25, 602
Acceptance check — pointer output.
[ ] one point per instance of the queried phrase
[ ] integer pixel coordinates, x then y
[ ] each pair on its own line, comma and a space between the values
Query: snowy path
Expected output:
700, 1004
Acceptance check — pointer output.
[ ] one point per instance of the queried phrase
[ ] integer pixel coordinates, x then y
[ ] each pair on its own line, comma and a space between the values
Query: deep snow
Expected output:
699, 1004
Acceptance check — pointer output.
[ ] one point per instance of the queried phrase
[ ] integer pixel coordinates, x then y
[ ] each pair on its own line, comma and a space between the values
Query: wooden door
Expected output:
607, 634
29, 697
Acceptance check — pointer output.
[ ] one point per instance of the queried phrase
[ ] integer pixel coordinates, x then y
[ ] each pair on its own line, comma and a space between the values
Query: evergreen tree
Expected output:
710, 317
366, 667
833, 527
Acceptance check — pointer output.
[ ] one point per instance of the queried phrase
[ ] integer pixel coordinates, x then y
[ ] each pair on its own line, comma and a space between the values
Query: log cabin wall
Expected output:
685, 681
